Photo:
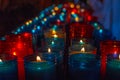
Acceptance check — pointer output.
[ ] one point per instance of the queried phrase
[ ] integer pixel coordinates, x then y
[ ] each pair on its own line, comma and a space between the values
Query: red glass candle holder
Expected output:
108, 48
19, 45
78, 30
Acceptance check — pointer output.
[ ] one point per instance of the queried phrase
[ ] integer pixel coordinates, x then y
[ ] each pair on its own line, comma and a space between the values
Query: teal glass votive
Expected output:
8, 67
36, 68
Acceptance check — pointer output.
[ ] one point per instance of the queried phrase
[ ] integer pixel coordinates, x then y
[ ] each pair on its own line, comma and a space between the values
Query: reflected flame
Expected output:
0, 60
83, 49
81, 41
38, 59
53, 42
49, 50
55, 36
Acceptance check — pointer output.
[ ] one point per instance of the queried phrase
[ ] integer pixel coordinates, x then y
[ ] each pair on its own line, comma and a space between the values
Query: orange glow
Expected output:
30, 21
14, 53
72, 12
49, 50
83, 49
27, 23
77, 19
56, 8
38, 59
78, 6
53, 32
72, 5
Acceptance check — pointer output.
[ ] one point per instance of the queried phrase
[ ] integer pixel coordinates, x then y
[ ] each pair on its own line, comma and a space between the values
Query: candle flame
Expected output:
0, 60
14, 53
53, 32
119, 57
81, 41
49, 50
55, 36
38, 59
83, 49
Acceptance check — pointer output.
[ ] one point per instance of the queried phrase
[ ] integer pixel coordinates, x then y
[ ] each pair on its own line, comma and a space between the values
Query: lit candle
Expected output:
83, 65
38, 69
55, 39
8, 67
56, 57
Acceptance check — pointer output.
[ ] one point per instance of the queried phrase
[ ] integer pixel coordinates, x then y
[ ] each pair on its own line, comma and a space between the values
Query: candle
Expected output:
39, 69
56, 57
83, 65
78, 30
113, 67
8, 67
55, 38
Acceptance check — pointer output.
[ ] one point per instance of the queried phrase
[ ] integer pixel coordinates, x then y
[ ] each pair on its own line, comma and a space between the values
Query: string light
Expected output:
56, 8
72, 5
78, 6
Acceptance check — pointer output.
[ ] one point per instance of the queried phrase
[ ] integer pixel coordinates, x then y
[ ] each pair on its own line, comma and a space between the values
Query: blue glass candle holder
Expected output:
83, 67
83, 64
56, 43
113, 67
56, 57
8, 67
39, 70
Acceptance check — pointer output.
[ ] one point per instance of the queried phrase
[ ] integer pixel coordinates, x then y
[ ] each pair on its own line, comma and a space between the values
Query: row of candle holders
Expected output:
49, 65
63, 54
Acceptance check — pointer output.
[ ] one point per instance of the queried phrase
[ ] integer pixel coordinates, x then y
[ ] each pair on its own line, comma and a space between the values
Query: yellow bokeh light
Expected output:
45, 19
53, 32
53, 13
77, 19
27, 23
72, 12
56, 8
30, 21
78, 6
72, 5
55, 36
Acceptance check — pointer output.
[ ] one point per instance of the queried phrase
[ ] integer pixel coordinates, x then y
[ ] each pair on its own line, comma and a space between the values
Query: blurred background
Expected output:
14, 13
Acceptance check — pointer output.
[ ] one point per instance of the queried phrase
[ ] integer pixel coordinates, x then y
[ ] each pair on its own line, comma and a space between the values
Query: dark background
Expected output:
14, 13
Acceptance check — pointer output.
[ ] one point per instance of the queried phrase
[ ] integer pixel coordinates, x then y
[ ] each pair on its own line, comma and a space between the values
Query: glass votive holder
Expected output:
56, 56
78, 30
8, 67
110, 51
55, 38
36, 68
83, 63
